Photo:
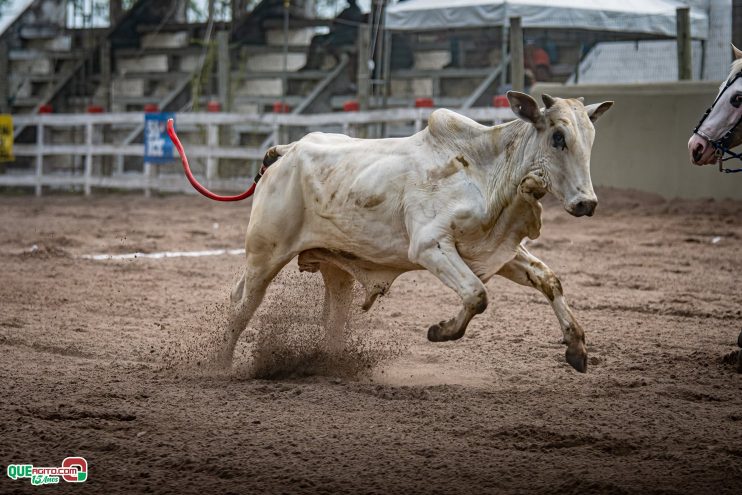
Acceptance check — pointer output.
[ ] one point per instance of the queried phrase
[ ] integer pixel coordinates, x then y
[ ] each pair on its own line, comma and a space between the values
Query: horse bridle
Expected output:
721, 146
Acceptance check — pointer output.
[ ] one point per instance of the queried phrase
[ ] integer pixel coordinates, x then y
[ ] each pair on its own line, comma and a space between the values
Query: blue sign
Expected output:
157, 145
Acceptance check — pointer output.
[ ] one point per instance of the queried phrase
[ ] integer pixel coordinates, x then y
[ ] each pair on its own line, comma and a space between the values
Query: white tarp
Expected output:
632, 16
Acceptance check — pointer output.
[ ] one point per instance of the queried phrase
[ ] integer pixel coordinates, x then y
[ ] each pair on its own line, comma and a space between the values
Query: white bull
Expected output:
456, 199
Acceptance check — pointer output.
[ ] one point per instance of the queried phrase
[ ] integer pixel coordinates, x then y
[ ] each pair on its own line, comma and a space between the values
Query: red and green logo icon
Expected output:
72, 470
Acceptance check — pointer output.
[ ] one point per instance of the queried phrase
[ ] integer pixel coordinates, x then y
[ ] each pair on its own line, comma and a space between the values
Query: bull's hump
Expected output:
448, 125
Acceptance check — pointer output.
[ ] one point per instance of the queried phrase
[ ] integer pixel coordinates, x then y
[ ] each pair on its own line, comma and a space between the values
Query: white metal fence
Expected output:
89, 139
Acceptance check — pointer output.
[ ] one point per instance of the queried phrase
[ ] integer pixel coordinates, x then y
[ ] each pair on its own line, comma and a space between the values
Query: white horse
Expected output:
719, 131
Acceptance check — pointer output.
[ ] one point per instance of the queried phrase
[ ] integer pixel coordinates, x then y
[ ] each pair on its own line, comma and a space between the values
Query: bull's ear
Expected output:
737, 52
595, 110
526, 108
548, 101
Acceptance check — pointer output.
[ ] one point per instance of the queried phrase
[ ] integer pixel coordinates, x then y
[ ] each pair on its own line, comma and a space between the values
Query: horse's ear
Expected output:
737, 52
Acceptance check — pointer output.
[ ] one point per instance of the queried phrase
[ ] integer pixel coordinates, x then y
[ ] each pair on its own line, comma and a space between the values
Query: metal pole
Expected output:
223, 69
504, 56
105, 74
387, 71
684, 46
516, 54
115, 10
4, 81
379, 50
181, 9
285, 79
363, 74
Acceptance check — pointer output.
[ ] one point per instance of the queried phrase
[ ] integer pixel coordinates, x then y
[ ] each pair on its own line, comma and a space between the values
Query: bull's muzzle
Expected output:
582, 207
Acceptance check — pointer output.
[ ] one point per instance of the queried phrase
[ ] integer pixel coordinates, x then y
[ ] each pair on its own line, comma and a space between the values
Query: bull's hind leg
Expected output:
443, 260
526, 269
246, 297
338, 298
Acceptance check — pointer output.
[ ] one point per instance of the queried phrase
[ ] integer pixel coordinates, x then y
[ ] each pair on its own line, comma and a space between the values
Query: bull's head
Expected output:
564, 140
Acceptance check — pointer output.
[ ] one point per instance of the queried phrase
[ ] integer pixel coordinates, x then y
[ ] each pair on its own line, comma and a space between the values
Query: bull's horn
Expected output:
737, 52
548, 100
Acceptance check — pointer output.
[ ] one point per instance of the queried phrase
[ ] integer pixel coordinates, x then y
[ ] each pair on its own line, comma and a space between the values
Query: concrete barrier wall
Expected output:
641, 143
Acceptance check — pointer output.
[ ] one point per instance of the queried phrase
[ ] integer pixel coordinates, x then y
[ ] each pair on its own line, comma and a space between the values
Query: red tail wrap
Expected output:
187, 169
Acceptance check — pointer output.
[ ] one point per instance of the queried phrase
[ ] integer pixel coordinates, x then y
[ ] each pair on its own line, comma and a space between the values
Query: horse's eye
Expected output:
736, 100
557, 140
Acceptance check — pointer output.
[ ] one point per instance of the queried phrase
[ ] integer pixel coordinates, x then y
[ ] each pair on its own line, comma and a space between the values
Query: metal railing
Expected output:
96, 141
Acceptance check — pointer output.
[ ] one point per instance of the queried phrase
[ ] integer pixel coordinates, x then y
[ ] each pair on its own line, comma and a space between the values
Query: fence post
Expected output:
212, 140
516, 54
147, 179
421, 104
684, 46
419, 120
88, 157
39, 156
276, 134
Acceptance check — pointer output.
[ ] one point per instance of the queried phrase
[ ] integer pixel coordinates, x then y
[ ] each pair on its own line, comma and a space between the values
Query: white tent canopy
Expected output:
656, 17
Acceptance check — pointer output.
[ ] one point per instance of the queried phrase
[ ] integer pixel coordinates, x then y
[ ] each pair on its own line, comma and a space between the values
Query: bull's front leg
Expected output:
526, 269
441, 258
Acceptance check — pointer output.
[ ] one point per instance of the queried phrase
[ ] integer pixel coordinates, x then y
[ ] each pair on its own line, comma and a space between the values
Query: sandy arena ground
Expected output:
101, 359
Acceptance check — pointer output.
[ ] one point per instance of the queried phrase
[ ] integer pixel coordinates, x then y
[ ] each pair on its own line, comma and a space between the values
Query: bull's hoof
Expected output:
437, 333
577, 357
220, 361
739, 340
739, 362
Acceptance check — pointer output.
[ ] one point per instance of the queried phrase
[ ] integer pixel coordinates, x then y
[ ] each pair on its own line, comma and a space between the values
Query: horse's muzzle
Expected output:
701, 151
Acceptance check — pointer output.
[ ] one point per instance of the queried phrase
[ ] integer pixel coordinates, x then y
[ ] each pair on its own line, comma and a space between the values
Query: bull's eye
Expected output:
736, 100
557, 140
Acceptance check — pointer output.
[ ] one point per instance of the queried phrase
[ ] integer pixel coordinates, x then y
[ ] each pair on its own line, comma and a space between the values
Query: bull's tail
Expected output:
270, 157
